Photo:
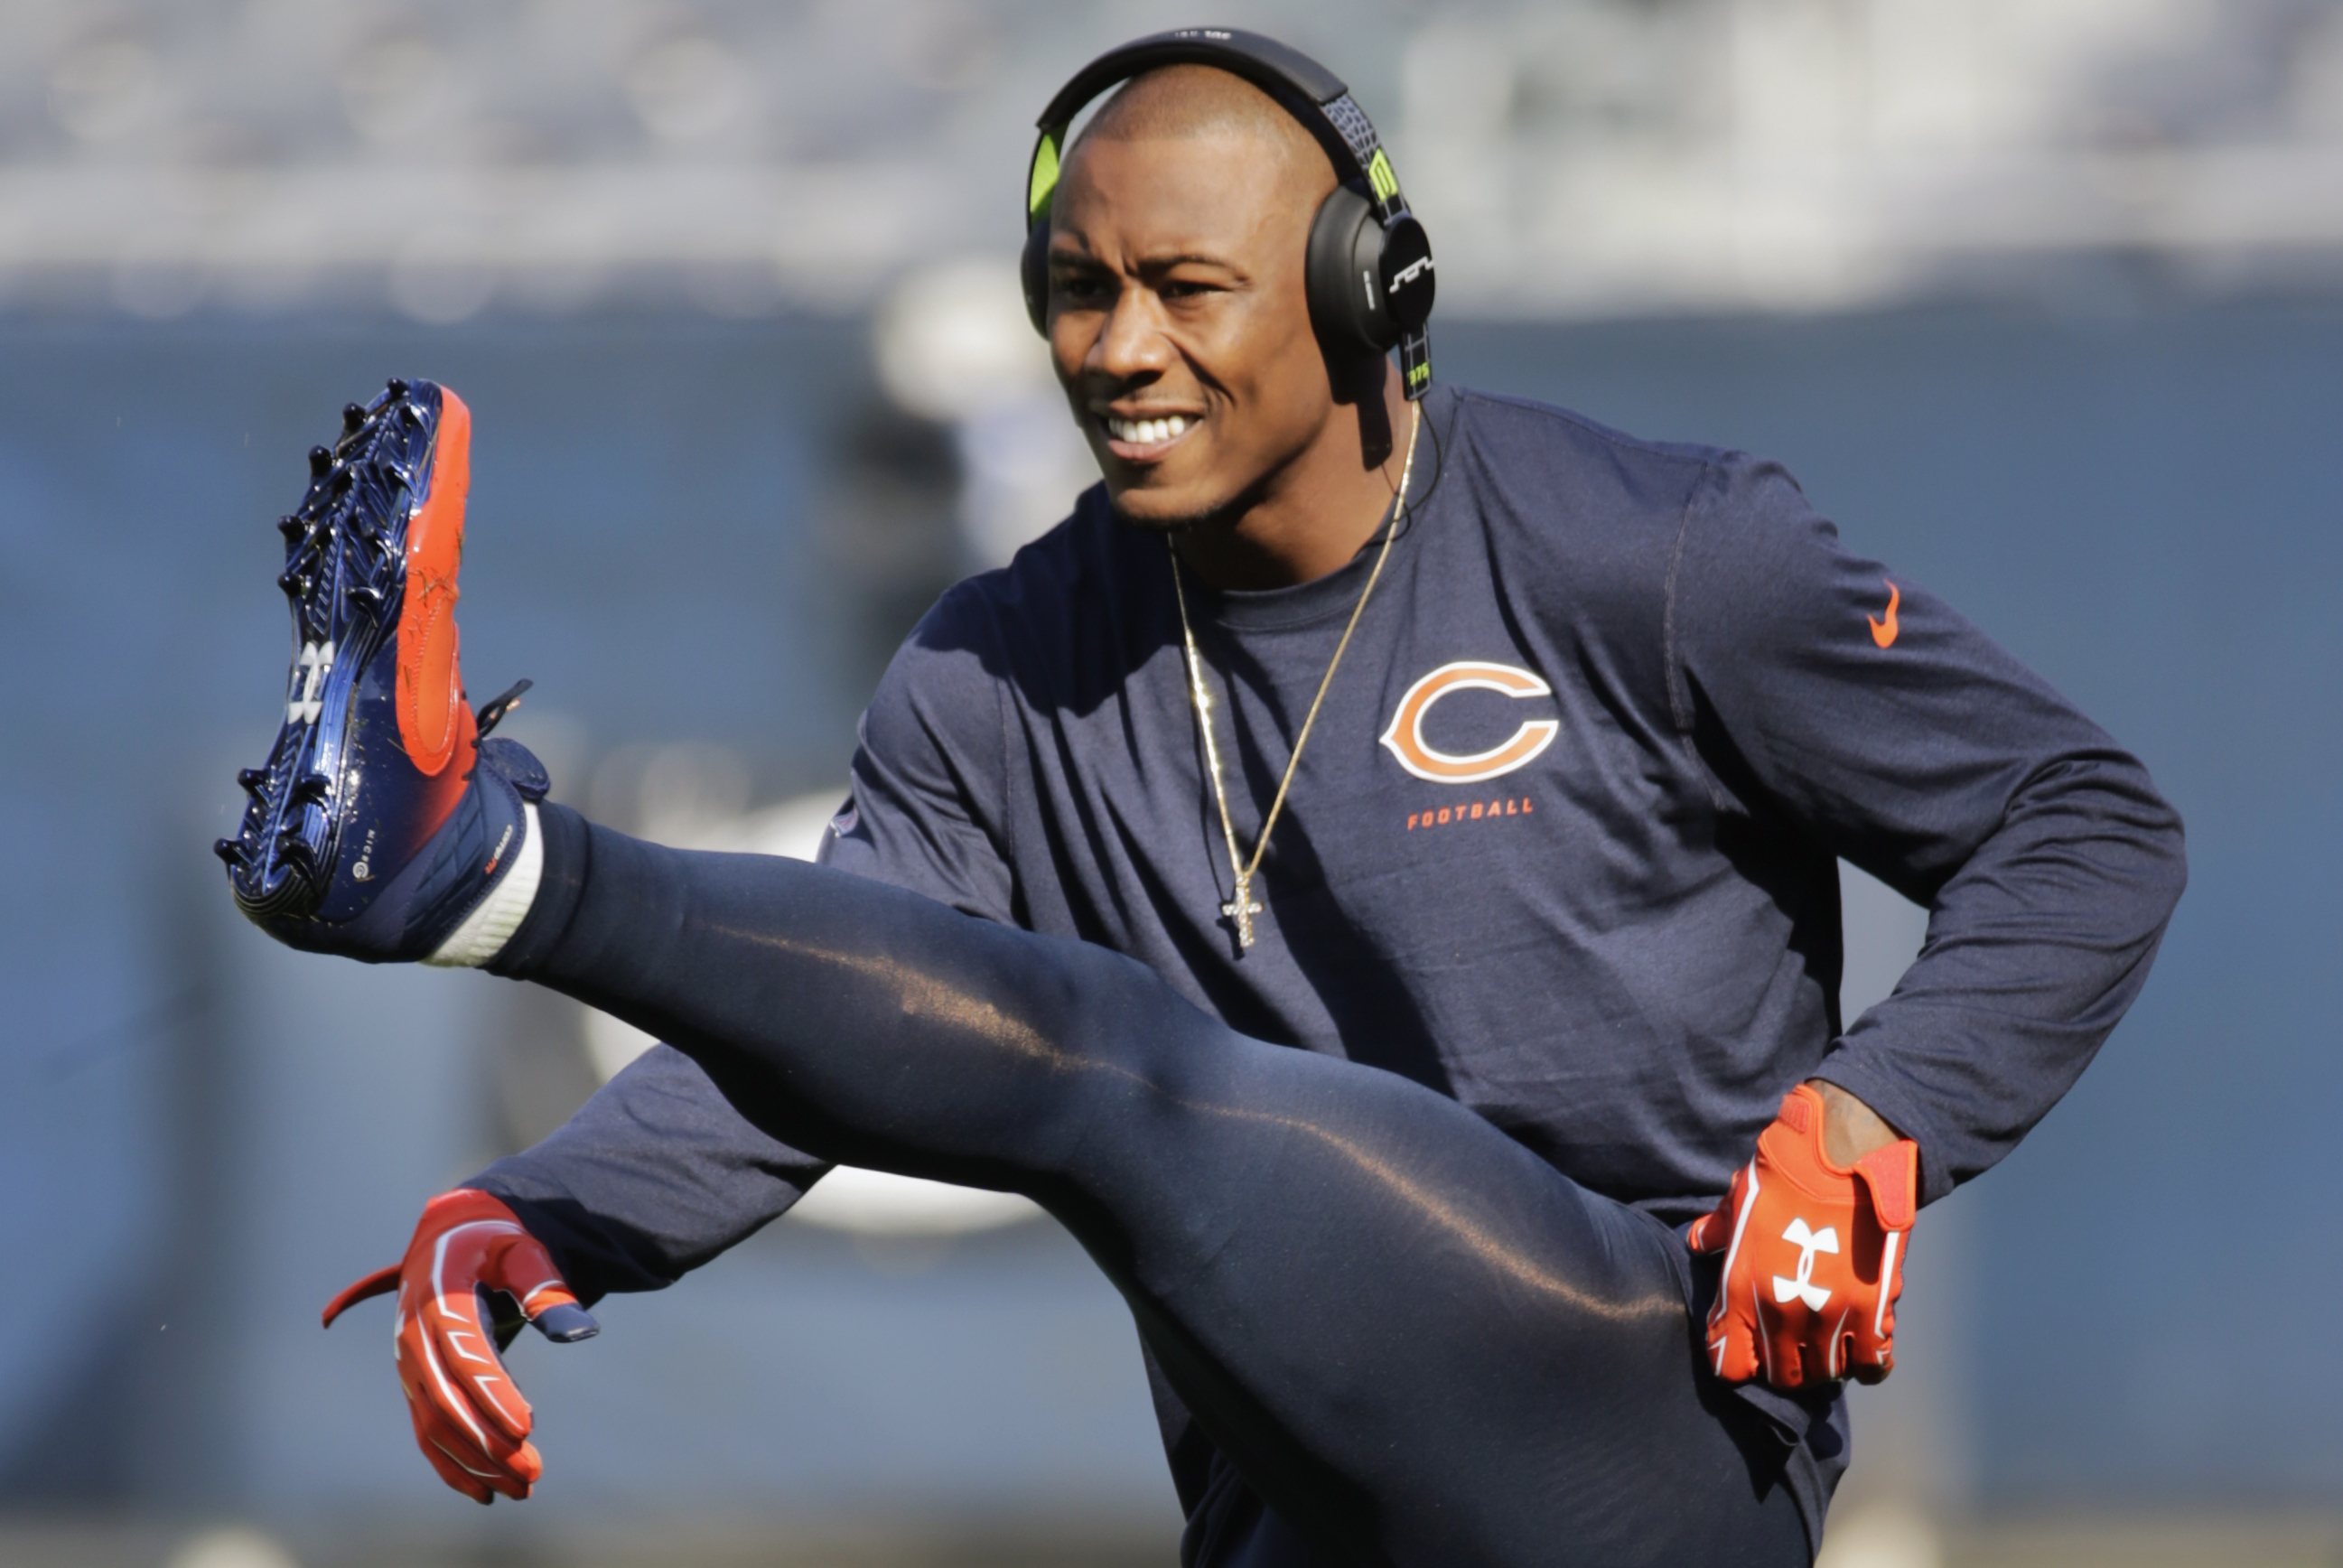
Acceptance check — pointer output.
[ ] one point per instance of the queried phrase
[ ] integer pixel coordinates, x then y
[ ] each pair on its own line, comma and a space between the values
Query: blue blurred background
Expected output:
2039, 301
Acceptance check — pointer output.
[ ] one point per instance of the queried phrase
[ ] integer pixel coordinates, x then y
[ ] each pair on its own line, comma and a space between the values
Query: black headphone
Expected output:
1370, 262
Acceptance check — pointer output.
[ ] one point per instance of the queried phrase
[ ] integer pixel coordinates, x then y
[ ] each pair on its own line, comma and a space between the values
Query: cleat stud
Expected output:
230, 852
320, 460
312, 789
291, 525
397, 388
250, 779
353, 416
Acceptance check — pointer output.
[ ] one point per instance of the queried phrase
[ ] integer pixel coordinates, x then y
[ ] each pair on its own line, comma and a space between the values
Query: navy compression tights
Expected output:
1418, 1342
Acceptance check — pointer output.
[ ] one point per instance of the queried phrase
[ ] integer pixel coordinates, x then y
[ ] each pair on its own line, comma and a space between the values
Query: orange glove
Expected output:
470, 1278
1812, 1251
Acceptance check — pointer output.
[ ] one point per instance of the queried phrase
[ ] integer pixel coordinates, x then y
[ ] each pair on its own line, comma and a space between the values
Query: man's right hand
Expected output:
470, 1420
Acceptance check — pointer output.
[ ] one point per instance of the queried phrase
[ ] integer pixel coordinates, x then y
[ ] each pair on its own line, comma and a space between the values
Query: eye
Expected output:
1078, 286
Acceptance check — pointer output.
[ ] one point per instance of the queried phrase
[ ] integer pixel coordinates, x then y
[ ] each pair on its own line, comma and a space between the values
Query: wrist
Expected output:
1851, 1128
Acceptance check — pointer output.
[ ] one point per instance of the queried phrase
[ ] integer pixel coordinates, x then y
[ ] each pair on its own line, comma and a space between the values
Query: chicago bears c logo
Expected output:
1405, 736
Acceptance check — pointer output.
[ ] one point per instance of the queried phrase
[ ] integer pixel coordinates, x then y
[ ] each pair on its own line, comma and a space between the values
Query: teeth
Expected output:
1147, 432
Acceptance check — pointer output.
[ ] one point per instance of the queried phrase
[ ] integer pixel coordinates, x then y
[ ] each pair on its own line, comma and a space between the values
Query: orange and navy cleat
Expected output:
383, 826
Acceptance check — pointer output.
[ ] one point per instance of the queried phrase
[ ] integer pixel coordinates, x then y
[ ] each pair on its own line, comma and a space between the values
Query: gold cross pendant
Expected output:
1242, 909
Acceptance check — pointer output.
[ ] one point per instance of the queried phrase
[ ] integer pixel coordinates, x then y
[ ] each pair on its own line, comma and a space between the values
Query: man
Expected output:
1552, 760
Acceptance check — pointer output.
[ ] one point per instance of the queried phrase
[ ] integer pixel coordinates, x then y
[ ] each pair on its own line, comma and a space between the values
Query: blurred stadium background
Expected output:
2043, 299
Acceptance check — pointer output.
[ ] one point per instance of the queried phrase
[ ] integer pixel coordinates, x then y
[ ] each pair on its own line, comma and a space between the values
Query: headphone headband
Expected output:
1402, 266
1270, 61
1343, 126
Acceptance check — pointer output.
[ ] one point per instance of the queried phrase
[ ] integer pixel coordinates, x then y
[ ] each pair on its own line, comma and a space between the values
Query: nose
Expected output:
1131, 343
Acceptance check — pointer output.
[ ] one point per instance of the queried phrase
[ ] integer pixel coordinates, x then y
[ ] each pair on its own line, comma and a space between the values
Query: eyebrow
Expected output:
1148, 264
1188, 258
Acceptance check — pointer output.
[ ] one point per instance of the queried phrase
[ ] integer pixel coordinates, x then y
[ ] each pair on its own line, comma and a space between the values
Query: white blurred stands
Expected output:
1592, 157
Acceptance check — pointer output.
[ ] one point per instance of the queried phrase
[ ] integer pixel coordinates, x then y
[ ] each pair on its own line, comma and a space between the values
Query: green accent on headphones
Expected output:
1380, 176
1419, 375
1043, 183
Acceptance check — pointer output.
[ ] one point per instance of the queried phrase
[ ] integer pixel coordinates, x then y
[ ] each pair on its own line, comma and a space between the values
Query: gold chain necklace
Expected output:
1241, 909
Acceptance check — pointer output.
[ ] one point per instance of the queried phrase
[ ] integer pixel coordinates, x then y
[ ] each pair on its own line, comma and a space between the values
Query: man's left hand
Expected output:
1812, 1233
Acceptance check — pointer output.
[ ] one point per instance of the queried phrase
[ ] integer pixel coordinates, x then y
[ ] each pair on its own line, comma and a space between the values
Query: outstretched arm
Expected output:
661, 1172
656, 1175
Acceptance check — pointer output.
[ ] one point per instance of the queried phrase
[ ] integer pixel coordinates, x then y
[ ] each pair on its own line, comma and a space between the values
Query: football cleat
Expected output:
384, 826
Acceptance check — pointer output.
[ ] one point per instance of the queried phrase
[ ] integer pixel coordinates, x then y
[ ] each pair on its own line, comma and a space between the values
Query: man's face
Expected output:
1178, 320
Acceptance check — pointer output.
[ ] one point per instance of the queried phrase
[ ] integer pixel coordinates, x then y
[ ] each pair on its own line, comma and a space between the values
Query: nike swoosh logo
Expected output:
1882, 632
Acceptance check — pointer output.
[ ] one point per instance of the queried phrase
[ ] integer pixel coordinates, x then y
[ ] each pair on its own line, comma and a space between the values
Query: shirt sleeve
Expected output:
928, 807
659, 1172
1828, 692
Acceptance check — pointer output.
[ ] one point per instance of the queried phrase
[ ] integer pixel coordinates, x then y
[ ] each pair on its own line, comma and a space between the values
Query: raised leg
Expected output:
1418, 1341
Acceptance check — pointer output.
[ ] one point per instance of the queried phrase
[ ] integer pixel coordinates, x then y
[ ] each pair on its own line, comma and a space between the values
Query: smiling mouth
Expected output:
1139, 440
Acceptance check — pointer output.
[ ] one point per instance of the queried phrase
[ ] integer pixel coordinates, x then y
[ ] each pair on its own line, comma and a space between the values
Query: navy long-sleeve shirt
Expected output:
1562, 844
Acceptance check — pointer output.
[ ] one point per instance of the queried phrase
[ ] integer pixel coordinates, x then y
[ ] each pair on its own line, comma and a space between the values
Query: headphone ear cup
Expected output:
1033, 272
1344, 276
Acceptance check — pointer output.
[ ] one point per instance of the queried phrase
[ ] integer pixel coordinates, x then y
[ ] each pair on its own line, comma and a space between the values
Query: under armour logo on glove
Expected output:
1803, 1287
1828, 1237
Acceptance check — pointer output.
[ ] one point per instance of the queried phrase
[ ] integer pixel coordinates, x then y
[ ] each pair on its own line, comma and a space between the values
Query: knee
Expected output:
1121, 1015
1123, 1050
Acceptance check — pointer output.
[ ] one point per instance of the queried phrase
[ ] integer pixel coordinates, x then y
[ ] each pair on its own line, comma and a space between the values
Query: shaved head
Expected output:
1204, 102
